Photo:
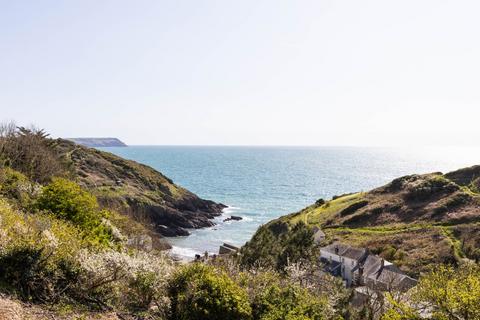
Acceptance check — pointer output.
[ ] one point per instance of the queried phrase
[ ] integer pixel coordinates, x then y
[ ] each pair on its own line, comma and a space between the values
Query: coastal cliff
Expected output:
139, 191
98, 142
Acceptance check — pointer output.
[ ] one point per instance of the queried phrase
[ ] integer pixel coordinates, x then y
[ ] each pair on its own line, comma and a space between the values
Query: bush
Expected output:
28, 272
289, 302
36, 254
16, 186
66, 200
135, 281
446, 293
200, 292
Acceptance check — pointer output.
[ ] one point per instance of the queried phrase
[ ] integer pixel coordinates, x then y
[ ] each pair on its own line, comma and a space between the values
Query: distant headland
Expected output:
98, 142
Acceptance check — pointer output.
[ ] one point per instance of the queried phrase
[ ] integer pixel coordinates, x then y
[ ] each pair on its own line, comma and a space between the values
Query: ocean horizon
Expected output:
261, 183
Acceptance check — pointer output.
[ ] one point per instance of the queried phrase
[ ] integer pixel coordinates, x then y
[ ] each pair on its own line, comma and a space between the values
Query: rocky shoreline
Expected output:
139, 191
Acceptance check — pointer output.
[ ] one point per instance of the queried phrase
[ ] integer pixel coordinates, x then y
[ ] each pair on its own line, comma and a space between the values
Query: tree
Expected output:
30, 151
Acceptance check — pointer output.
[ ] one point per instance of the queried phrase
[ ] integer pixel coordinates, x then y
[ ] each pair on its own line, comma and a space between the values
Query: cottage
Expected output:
358, 267
344, 261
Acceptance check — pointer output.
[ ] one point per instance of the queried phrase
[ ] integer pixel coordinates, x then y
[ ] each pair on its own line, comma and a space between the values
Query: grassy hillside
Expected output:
138, 190
414, 221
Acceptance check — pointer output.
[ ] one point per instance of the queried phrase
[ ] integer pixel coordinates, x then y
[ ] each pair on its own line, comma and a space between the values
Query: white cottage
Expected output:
344, 261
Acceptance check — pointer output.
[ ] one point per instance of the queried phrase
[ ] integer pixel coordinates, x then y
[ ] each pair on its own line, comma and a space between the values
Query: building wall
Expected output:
347, 264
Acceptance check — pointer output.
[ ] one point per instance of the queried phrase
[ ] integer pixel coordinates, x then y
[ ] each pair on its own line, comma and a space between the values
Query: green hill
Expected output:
414, 221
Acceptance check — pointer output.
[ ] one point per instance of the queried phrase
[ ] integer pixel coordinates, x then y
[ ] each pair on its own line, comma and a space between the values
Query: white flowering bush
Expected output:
136, 280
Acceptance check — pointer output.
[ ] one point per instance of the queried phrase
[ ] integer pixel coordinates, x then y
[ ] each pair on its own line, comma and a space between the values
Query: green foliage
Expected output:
289, 302
276, 245
36, 254
66, 200
201, 292
447, 293
16, 186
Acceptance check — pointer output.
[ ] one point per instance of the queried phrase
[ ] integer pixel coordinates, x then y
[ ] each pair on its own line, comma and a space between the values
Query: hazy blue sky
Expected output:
244, 72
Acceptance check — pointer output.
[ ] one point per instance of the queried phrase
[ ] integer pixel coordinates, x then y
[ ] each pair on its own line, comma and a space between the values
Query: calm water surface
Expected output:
262, 183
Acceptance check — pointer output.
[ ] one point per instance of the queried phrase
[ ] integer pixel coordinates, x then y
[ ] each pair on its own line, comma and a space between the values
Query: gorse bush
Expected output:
200, 292
67, 200
36, 254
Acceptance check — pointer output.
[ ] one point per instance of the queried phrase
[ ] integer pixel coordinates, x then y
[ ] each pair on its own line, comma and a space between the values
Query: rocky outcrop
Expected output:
139, 191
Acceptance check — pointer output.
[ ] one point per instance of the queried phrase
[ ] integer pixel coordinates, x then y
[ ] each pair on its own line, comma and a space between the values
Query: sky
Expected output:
250, 72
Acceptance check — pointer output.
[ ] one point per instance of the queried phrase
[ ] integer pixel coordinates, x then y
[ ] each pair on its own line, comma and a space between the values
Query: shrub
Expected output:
66, 200
133, 280
289, 302
425, 188
36, 254
446, 293
29, 272
200, 292
16, 186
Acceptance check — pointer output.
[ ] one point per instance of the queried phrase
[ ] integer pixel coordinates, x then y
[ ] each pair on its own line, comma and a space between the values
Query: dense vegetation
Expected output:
277, 245
62, 251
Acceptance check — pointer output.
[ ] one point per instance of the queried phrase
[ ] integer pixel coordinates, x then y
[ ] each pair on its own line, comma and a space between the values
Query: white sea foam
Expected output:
230, 209
183, 253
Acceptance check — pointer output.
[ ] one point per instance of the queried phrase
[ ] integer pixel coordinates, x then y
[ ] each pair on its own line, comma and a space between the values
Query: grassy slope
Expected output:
138, 190
414, 221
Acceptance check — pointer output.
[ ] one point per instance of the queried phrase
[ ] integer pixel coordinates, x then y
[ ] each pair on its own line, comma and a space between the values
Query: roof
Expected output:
388, 274
355, 253
345, 251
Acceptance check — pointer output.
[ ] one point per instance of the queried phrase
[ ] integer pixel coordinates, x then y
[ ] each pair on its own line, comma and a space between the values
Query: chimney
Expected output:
382, 263
336, 250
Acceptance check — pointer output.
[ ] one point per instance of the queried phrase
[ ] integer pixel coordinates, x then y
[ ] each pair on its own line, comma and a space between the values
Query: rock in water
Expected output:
236, 218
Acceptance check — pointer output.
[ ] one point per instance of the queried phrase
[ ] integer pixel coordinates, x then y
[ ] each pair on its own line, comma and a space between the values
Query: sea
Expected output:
262, 183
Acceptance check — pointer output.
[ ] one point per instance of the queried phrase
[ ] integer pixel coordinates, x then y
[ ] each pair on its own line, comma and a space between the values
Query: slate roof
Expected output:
374, 269
387, 275
346, 251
